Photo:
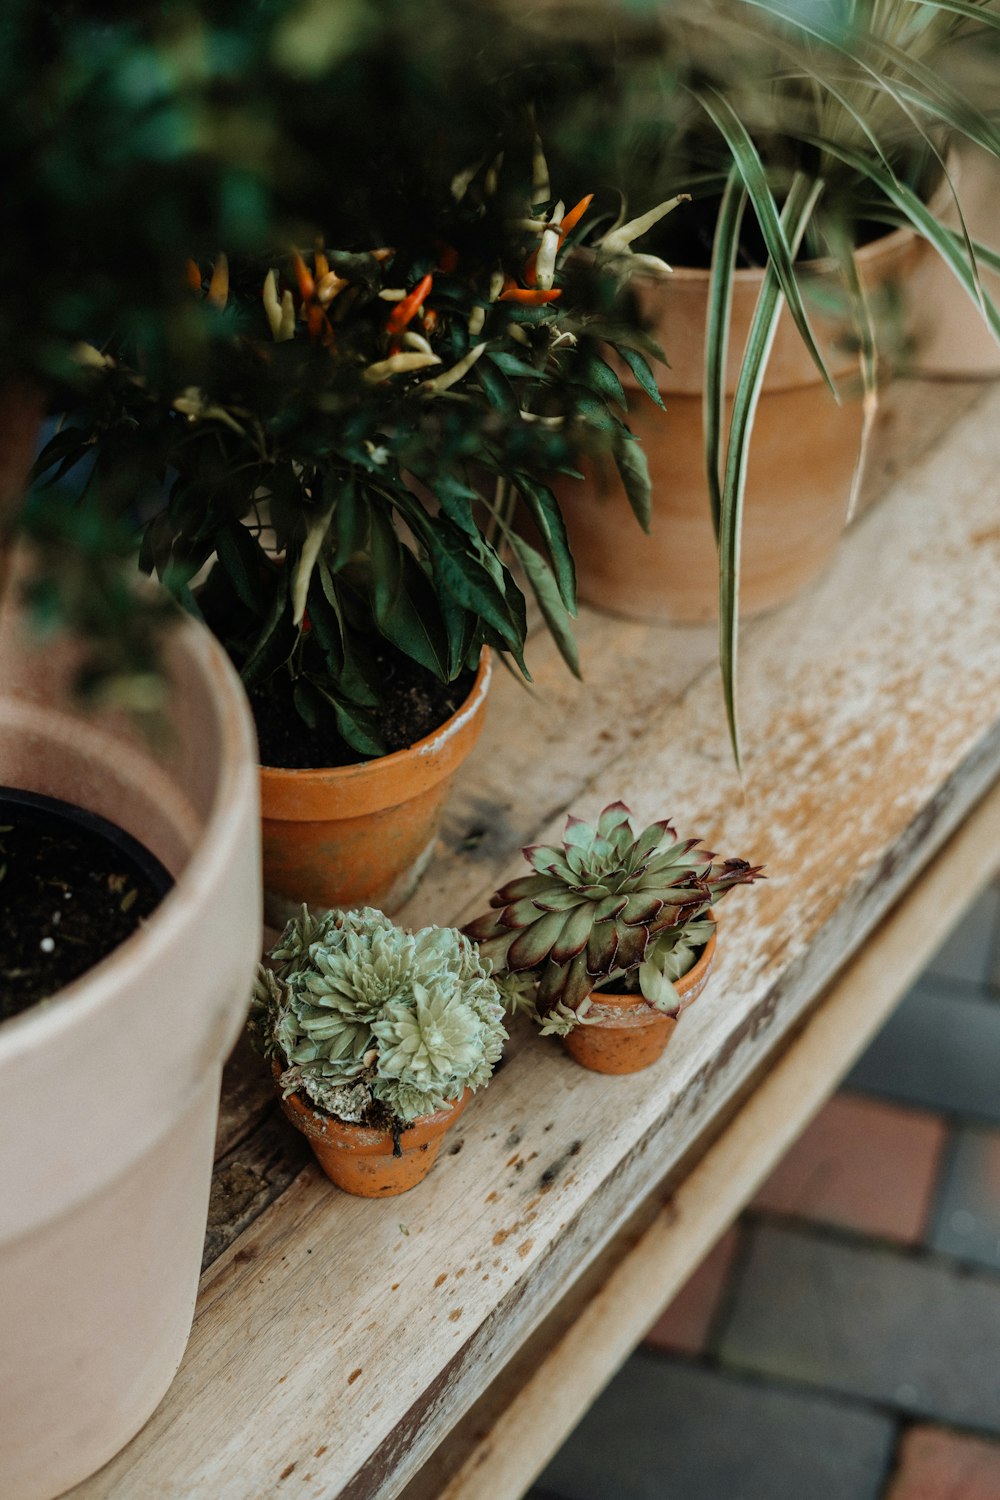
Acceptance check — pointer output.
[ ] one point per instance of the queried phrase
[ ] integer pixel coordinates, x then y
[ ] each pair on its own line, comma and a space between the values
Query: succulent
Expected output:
368, 1021
609, 906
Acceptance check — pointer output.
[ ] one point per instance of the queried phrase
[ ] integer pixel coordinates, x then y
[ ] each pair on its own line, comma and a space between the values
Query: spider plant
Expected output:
811, 127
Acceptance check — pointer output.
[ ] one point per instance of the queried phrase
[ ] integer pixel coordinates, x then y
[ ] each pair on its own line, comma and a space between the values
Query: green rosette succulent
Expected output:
609, 906
368, 1021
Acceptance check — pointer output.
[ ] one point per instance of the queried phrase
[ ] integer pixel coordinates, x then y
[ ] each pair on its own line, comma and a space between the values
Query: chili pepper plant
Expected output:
339, 471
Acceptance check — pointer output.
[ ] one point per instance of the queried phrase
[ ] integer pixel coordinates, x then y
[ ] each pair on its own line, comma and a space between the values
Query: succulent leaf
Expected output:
367, 1014
609, 903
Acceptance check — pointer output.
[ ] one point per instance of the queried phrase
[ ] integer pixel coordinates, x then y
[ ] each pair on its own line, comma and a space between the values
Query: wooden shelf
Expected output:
356, 1349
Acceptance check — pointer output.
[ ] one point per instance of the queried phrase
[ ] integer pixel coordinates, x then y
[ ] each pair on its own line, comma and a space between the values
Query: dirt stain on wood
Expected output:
441, 1279
353, 1376
455, 1314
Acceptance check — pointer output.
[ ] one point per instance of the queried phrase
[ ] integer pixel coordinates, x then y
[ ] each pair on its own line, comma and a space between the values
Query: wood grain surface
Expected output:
336, 1341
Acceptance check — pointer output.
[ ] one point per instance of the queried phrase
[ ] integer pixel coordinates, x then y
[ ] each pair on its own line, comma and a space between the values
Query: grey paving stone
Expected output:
940, 1048
971, 950
966, 1220
870, 1322
665, 1430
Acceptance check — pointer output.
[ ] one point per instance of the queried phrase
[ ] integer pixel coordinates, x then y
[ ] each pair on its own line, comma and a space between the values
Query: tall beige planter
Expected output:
802, 457
109, 1092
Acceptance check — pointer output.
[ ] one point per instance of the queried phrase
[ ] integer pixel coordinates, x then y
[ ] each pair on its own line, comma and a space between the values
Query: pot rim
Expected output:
309, 1118
687, 981
220, 837
883, 244
430, 745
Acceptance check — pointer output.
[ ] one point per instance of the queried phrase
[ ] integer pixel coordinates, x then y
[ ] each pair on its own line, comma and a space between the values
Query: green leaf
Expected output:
550, 602
497, 387
316, 529
386, 573
471, 586
780, 254
643, 374
413, 622
512, 364
355, 725
350, 519
720, 299
952, 247
634, 470
243, 561
598, 374
277, 637
799, 206
544, 510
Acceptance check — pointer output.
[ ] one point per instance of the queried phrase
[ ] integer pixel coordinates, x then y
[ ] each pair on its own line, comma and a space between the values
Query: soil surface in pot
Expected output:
72, 888
416, 703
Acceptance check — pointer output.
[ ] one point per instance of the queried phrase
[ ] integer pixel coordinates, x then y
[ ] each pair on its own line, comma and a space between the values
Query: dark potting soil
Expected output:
415, 704
72, 888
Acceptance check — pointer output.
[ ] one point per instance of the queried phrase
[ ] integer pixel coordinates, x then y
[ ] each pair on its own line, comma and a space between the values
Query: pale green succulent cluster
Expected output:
360, 1013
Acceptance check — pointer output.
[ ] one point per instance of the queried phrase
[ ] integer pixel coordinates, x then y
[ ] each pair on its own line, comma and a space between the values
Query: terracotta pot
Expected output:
628, 1034
362, 1161
802, 457
109, 1091
362, 835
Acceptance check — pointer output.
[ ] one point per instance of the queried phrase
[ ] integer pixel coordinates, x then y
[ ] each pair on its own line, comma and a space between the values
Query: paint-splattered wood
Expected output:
337, 1340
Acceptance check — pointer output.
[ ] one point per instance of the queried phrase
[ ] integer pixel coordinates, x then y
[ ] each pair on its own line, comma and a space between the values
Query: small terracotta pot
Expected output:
628, 1034
362, 835
362, 1161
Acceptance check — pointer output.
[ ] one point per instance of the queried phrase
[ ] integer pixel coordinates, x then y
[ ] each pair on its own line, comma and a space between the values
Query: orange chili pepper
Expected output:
530, 296
304, 277
193, 275
315, 320
430, 318
405, 310
322, 266
572, 219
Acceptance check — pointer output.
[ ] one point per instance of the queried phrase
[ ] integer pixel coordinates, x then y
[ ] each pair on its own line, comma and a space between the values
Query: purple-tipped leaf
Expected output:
632, 943
573, 938
602, 949
531, 947
481, 929
613, 816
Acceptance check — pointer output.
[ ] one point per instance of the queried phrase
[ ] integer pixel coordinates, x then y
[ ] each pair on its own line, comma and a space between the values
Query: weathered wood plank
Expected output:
501, 799
511, 1433
338, 1339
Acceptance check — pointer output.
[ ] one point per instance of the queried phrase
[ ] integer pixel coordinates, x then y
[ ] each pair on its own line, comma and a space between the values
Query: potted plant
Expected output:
346, 471
377, 1038
811, 140
611, 937
130, 719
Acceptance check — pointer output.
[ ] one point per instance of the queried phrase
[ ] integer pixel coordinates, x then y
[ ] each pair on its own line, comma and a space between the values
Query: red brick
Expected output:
862, 1164
684, 1327
935, 1464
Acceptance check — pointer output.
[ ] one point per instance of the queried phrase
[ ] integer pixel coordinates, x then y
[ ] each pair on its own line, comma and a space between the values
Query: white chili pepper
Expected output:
530, 416
393, 293
272, 302
545, 257
417, 341
541, 190
448, 378
461, 180
517, 333
564, 341
477, 318
399, 364
618, 240
493, 175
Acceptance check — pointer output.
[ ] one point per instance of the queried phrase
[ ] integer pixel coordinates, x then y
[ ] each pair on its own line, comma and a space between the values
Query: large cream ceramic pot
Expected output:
109, 1091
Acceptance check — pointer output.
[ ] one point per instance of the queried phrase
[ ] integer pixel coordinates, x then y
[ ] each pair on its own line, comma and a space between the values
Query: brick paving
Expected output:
842, 1342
